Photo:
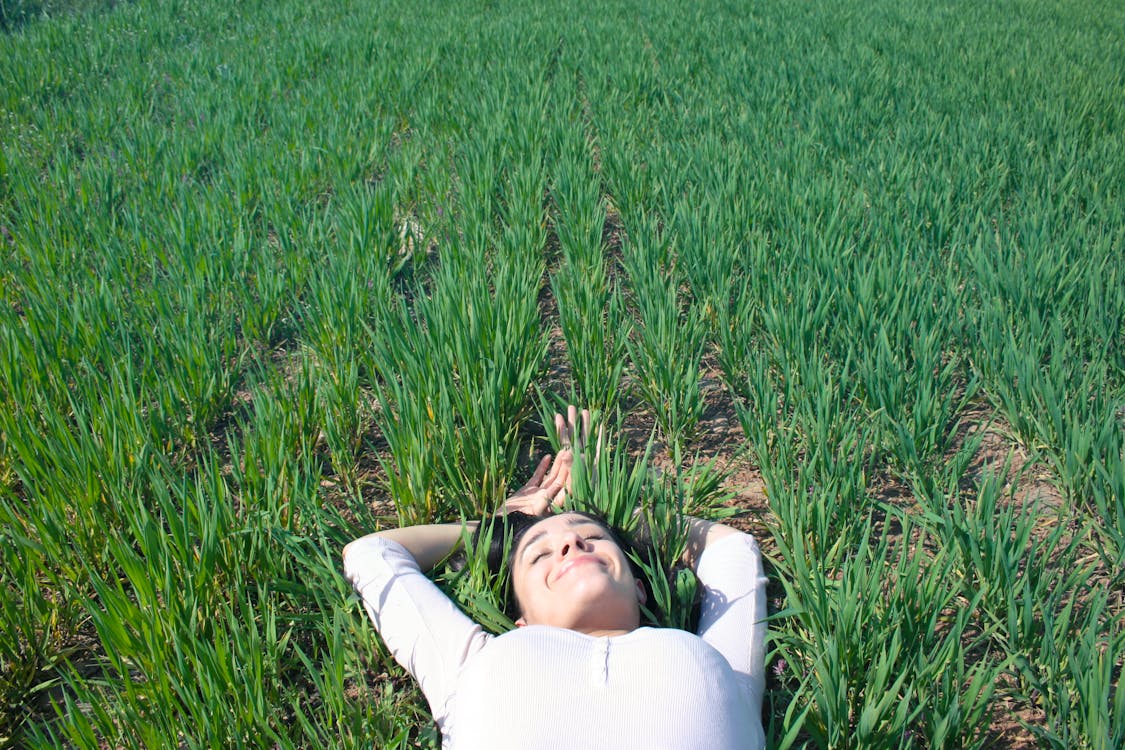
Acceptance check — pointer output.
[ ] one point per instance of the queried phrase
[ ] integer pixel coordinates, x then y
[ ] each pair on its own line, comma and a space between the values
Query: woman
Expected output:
579, 671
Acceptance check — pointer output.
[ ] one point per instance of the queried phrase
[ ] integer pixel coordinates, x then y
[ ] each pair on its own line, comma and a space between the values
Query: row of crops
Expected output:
275, 274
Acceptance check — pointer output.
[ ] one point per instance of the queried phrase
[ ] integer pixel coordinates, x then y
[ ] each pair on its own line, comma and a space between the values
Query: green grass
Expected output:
273, 275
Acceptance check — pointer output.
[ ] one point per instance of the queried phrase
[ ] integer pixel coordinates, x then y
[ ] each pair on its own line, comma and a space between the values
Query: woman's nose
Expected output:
572, 542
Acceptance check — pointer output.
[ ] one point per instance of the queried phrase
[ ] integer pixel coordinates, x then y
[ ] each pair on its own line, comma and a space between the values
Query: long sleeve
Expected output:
732, 619
427, 634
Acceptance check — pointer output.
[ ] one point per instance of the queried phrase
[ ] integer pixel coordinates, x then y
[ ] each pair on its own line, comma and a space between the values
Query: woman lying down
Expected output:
580, 671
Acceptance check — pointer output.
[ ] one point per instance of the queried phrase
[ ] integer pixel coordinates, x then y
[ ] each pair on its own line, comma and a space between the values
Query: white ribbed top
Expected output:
543, 687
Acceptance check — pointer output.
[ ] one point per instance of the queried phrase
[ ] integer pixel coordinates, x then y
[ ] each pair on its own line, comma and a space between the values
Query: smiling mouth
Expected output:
581, 560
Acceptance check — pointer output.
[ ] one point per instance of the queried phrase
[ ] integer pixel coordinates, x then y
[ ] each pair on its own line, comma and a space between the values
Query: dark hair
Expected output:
503, 535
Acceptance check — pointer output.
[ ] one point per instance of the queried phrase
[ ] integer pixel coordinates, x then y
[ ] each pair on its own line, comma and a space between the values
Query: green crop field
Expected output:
274, 274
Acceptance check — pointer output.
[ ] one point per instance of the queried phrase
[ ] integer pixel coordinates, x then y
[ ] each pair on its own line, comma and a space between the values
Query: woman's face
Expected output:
568, 572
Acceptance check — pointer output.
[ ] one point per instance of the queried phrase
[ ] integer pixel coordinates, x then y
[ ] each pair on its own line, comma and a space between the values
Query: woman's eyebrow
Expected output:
534, 538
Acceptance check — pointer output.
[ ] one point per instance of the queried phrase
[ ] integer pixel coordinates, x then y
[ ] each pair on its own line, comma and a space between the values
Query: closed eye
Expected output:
592, 532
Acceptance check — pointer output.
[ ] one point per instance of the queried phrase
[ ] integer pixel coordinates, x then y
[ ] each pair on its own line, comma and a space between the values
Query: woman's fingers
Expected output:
561, 485
558, 499
551, 480
556, 467
537, 475
560, 474
540, 470
573, 430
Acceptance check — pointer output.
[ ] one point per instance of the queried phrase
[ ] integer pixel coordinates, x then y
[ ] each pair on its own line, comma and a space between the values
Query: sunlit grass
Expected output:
273, 275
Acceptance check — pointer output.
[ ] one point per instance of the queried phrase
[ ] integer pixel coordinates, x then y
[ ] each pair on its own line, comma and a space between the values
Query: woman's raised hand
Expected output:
548, 485
572, 435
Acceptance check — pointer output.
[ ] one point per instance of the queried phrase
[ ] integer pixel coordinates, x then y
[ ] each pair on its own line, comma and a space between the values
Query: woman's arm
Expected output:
732, 616
428, 544
424, 630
